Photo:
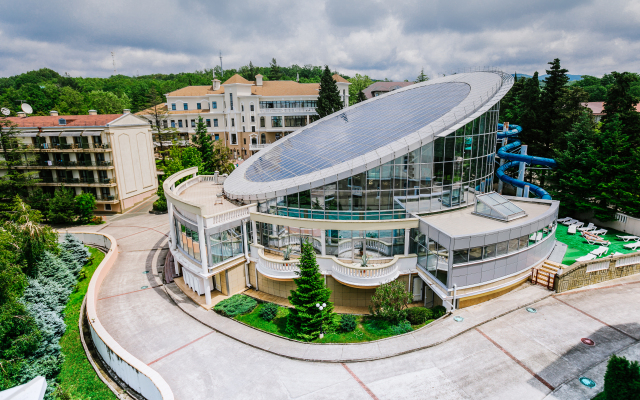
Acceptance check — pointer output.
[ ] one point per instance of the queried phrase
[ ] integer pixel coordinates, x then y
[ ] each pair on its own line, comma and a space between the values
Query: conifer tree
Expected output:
622, 102
275, 73
329, 95
13, 182
550, 105
622, 379
205, 146
422, 77
306, 320
361, 97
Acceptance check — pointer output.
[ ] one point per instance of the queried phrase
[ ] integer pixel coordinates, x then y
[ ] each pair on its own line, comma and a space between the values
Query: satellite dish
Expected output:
26, 108
5, 111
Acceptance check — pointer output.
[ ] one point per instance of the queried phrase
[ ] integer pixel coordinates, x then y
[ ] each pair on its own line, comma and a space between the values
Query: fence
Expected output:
591, 272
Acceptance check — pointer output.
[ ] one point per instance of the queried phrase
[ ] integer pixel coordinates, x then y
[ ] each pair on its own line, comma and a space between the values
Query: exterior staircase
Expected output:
545, 274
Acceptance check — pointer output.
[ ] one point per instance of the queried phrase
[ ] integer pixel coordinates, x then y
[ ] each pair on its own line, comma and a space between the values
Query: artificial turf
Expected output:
77, 377
578, 246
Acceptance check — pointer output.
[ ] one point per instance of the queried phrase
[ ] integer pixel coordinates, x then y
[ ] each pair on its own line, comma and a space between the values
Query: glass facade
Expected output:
289, 104
432, 256
225, 245
188, 240
435, 177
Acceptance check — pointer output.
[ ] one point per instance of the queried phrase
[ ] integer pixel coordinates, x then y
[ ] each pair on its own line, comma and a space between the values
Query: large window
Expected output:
186, 106
297, 120
173, 106
214, 104
188, 240
226, 244
289, 104
276, 122
432, 257
231, 100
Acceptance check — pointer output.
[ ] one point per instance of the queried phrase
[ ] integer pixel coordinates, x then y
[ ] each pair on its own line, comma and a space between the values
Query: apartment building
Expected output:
110, 156
247, 115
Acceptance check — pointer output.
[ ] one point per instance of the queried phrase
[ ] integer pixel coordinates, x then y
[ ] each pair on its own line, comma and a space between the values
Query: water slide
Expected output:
514, 161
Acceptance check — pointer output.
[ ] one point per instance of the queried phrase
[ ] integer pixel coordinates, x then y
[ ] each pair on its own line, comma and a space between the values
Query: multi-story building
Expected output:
378, 88
108, 155
405, 178
247, 115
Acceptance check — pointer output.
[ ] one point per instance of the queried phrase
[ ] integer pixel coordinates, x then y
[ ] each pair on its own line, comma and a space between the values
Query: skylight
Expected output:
492, 205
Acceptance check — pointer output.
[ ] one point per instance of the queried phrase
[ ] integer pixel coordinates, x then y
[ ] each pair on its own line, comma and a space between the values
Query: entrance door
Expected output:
417, 288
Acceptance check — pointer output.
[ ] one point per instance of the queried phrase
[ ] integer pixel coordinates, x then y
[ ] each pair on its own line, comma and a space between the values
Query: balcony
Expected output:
370, 276
95, 147
256, 146
305, 110
278, 269
60, 164
55, 181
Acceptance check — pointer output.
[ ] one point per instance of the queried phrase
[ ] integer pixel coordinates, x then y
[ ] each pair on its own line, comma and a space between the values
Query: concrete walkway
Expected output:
519, 354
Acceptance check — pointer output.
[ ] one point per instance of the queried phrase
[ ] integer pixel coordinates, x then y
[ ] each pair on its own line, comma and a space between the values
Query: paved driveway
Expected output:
520, 355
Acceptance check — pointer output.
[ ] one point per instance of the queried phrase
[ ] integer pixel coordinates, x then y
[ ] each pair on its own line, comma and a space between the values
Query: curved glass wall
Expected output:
437, 176
188, 239
226, 244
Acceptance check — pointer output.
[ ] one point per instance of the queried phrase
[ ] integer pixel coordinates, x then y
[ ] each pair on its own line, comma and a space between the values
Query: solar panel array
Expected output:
356, 132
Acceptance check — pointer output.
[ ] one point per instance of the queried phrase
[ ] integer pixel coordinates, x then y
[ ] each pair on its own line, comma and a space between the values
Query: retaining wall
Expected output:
136, 374
591, 272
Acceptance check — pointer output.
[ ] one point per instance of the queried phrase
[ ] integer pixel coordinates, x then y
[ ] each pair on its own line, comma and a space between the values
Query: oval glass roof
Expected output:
356, 131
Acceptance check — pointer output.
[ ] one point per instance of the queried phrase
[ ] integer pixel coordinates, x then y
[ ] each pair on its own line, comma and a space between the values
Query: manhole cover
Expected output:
588, 341
532, 310
458, 318
587, 382
144, 287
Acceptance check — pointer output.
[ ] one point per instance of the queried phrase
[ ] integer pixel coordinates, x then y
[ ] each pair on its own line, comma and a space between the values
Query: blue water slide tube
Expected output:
515, 160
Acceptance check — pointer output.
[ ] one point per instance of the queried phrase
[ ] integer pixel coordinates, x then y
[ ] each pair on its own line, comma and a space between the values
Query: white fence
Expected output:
282, 269
365, 276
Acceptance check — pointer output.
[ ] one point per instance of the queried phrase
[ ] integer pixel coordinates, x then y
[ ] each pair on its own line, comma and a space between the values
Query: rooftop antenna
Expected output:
221, 70
113, 57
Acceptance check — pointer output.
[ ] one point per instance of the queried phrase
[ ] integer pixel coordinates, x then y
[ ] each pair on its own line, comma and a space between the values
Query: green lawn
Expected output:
77, 377
578, 247
367, 329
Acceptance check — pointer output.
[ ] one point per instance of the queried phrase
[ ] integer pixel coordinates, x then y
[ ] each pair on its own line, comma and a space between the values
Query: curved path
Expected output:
487, 356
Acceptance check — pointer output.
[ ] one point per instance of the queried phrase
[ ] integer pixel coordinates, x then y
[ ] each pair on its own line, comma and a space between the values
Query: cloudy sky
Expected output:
392, 39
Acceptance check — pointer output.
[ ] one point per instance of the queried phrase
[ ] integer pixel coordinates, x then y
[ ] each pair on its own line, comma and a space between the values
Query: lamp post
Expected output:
321, 307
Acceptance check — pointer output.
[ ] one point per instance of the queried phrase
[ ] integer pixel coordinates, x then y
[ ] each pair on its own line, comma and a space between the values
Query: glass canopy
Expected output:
493, 205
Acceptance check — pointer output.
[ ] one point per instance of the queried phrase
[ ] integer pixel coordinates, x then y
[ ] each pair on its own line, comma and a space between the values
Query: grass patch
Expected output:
367, 328
578, 246
77, 377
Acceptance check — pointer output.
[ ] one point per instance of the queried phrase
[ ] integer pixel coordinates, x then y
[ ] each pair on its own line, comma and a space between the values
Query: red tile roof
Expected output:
597, 107
72, 120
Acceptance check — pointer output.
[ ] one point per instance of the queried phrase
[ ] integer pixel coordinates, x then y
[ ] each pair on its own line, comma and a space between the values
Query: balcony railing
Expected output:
63, 146
280, 269
311, 110
256, 146
104, 181
62, 163
373, 275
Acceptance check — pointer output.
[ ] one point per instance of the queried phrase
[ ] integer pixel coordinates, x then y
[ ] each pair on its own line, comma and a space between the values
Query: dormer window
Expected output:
62, 121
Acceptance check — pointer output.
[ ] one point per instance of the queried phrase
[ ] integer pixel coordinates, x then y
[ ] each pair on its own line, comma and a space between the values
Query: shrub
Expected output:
269, 311
62, 207
390, 301
160, 205
384, 327
348, 323
74, 249
235, 305
622, 379
97, 220
85, 203
419, 315
438, 311
402, 327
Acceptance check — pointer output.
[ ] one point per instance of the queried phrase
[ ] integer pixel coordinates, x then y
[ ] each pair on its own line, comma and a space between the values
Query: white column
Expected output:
203, 245
172, 228
207, 290
175, 266
523, 151
407, 233
245, 241
254, 233
323, 241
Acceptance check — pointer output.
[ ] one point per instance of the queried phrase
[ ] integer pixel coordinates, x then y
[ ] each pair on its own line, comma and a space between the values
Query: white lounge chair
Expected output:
595, 239
600, 251
599, 232
572, 229
570, 222
588, 257
588, 228
617, 253
561, 220
632, 246
627, 238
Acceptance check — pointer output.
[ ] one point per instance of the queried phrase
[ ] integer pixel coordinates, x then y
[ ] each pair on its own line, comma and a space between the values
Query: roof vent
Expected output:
62, 121
93, 112
258, 80
22, 114
53, 113
126, 111
215, 84
494, 206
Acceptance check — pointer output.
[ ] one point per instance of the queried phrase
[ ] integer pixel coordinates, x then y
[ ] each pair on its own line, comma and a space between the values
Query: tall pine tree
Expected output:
361, 97
550, 105
275, 73
329, 95
306, 320
205, 146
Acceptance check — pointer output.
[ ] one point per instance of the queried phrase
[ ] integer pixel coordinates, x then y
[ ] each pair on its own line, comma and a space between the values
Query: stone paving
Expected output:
499, 350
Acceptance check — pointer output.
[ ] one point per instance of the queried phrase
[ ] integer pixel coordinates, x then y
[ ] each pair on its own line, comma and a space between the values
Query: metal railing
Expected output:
257, 146
311, 110
62, 163
101, 181
64, 146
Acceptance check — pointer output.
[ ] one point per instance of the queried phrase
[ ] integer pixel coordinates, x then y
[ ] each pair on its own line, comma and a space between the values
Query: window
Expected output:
193, 123
253, 129
188, 240
251, 107
253, 118
234, 138
276, 122
173, 123
245, 140
226, 244
243, 128
215, 122
289, 104
107, 207
293, 121
263, 138
231, 100
199, 106
245, 152
179, 123
262, 125
242, 107
62, 121
216, 136
475, 254
208, 123
243, 118
173, 106
214, 104
186, 106
233, 122
164, 123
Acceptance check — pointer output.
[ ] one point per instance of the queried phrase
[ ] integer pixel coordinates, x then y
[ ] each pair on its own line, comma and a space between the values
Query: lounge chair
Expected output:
561, 220
599, 232
600, 251
595, 239
572, 229
627, 238
588, 257
588, 228
632, 246
570, 222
